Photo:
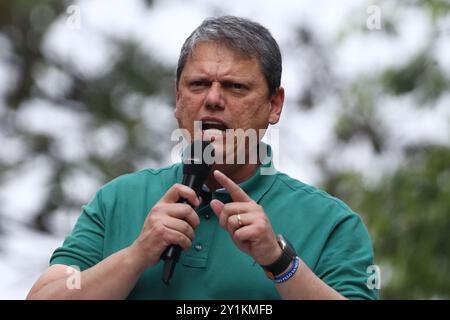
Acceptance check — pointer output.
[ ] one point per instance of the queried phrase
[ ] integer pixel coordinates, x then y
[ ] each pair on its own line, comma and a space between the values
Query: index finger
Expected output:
178, 191
236, 192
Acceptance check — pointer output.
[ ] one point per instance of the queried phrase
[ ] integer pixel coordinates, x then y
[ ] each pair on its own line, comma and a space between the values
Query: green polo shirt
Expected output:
328, 236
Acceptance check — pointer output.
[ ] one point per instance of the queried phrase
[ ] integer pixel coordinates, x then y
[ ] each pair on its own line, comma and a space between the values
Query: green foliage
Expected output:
421, 74
103, 99
408, 217
438, 9
358, 116
408, 212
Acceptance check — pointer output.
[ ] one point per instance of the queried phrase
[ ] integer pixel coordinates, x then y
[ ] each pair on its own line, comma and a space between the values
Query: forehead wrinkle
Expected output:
221, 55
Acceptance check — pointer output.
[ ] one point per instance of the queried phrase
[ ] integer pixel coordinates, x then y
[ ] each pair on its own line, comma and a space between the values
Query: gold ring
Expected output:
239, 220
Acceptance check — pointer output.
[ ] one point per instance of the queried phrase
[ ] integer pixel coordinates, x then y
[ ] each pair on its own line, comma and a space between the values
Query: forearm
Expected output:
112, 278
305, 285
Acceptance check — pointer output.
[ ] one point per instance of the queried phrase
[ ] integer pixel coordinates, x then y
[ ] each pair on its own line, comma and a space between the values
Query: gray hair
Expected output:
243, 36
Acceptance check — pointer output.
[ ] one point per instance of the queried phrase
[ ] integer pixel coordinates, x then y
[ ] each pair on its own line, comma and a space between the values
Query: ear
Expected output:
276, 105
177, 101
177, 95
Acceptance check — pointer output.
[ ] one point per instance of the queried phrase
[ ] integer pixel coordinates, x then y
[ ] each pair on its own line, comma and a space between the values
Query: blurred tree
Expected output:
104, 100
408, 215
407, 212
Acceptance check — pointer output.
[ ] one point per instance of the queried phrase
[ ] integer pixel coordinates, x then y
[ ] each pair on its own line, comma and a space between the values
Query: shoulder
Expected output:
141, 181
315, 200
323, 211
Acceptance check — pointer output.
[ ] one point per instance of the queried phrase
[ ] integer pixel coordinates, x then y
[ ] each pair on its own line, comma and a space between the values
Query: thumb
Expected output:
216, 206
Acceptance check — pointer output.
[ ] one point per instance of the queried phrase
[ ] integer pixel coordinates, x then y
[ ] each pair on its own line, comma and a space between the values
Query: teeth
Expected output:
213, 131
209, 125
211, 122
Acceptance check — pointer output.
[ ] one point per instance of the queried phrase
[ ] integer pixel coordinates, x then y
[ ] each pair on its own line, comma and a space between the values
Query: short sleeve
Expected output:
83, 247
346, 257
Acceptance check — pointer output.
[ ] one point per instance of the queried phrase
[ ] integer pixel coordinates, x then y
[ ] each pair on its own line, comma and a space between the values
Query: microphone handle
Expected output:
173, 251
171, 255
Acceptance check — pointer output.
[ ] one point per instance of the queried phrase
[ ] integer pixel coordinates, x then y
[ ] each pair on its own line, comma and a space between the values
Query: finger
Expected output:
245, 233
217, 207
232, 208
234, 222
236, 192
182, 211
180, 226
178, 191
240, 221
173, 237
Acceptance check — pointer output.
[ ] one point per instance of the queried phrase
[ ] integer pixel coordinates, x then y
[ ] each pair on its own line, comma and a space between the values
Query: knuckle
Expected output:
186, 229
183, 188
156, 208
190, 220
152, 220
188, 243
188, 209
259, 229
226, 210
262, 226
182, 240
177, 186
266, 223
196, 221
159, 229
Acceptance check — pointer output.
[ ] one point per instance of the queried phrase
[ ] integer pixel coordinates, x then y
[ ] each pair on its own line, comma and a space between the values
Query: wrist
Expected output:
284, 262
135, 259
273, 256
289, 272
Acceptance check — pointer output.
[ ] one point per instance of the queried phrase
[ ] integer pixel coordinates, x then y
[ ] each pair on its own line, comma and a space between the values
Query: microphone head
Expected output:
198, 159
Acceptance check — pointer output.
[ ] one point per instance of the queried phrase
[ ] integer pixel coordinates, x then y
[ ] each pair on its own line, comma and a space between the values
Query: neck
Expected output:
237, 173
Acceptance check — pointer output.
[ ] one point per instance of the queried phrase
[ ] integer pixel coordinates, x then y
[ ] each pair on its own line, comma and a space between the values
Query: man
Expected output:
254, 236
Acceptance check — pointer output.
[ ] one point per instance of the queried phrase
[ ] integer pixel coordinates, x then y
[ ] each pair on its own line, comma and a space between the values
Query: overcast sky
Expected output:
162, 30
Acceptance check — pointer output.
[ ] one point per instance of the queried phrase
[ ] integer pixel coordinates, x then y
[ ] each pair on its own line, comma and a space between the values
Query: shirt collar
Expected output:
258, 184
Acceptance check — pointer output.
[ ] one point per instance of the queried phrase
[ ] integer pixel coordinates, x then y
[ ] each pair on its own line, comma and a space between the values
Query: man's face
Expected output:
224, 90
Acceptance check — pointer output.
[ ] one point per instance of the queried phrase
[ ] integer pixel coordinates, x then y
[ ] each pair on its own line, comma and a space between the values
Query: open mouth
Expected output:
213, 128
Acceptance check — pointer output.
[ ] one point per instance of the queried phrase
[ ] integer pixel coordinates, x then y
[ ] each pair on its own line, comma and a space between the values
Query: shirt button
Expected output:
198, 247
206, 216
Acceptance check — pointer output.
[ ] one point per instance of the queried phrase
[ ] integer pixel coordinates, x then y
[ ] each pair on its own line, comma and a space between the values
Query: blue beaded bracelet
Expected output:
289, 273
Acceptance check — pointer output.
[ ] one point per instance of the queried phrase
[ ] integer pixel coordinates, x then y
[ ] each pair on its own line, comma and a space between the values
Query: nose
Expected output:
214, 98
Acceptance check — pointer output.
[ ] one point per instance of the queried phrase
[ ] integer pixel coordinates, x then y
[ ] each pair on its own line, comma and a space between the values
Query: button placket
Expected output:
198, 255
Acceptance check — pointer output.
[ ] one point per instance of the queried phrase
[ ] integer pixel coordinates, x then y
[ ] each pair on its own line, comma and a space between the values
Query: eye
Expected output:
199, 84
235, 86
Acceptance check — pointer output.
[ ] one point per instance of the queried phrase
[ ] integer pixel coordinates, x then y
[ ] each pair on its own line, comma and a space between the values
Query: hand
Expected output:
168, 223
252, 231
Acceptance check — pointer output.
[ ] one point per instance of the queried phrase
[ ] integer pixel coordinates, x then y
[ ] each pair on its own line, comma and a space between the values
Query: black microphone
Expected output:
195, 171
